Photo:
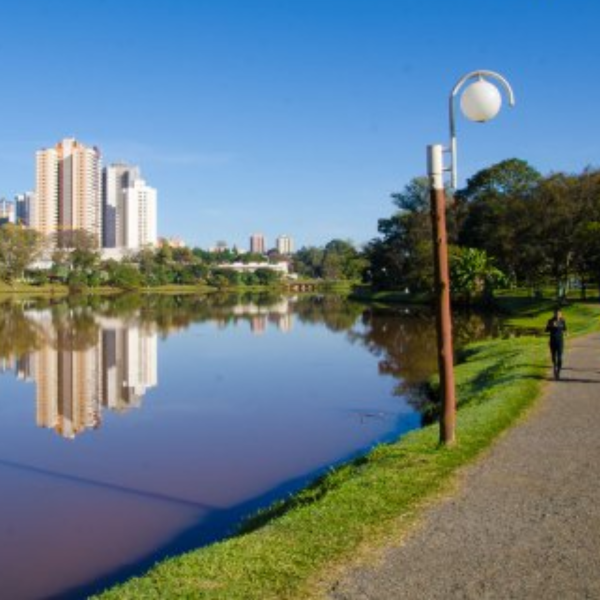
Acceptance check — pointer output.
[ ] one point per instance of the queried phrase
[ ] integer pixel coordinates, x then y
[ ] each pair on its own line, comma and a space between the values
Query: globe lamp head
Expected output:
481, 101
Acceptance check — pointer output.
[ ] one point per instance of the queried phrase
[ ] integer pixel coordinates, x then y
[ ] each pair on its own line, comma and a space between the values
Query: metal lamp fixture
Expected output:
480, 102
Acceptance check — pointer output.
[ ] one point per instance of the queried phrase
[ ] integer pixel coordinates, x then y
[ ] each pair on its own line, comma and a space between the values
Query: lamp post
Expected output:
480, 102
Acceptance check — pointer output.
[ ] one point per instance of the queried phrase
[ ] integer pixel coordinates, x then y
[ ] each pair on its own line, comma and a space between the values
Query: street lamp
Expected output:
480, 102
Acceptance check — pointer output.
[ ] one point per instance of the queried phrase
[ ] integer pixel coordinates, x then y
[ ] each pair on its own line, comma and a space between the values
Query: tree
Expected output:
307, 261
266, 276
472, 273
512, 177
341, 260
125, 276
403, 256
19, 248
82, 249
494, 215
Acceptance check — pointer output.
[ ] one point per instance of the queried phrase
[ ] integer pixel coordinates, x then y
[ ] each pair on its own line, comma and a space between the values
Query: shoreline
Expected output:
297, 543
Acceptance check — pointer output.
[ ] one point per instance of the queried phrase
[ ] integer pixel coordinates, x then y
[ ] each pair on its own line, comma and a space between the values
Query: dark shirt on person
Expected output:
556, 327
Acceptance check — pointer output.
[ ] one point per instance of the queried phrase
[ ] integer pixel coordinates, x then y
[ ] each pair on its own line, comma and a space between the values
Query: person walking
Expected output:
557, 327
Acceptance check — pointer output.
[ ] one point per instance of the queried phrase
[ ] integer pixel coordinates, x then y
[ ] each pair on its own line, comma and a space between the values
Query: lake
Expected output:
140, 427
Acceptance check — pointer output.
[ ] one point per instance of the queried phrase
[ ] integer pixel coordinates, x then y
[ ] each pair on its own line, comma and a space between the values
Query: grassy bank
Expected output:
290, 551
33, 290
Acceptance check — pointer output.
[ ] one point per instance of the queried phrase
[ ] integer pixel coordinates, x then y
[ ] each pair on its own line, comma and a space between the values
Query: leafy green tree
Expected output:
341, 260
495, 207
266, 276
251, 257
402, 257
307, 262
473, 273
19, 248
126, 276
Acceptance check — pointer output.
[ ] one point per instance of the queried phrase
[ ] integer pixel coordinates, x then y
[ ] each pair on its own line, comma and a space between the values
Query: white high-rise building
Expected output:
116, 178
7, 211
139, 222
284, 244
129, 208
68, 190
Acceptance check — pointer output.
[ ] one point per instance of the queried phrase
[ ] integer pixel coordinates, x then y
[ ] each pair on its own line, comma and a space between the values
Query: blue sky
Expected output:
295, 117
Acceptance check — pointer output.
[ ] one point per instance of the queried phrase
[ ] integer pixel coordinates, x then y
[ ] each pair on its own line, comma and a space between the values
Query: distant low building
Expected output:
171, 242
279, 267
220, 247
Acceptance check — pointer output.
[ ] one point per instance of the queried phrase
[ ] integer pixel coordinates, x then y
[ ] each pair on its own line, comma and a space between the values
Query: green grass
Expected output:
289, 549
33, 290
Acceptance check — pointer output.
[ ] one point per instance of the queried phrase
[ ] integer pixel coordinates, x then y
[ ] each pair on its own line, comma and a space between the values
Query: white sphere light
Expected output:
481, 101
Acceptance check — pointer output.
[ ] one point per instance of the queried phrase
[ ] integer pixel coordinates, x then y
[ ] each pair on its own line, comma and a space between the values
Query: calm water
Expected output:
136, 428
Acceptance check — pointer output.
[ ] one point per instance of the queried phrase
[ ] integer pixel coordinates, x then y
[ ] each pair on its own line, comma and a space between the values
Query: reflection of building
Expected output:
74, 382
6, 364
130, 366
68, 389
279, 314
258, 324
23, 368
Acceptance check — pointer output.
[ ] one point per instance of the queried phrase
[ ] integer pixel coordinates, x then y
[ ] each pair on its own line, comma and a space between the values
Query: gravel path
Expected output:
525, 522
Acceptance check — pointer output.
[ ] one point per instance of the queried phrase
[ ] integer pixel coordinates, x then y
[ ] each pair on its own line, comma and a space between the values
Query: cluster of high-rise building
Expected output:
114, 204
74, 192
283, 244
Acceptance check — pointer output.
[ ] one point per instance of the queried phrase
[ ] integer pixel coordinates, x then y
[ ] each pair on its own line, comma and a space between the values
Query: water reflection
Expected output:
184, 414
88, 356
82, 364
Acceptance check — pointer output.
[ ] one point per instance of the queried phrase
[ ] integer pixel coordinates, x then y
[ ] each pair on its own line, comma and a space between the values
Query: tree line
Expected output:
509, 225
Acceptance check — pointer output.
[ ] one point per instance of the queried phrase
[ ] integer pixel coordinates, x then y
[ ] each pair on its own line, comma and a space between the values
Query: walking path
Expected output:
525, 522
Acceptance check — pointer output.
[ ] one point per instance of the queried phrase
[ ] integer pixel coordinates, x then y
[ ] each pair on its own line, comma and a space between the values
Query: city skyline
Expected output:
244, 125
75, 192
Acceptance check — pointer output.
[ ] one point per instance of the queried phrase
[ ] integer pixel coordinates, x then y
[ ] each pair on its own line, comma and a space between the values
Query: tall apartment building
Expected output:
116, 178
7, 211
139, 224
130, 219
284, 245
258, 244
68, 190
23, 204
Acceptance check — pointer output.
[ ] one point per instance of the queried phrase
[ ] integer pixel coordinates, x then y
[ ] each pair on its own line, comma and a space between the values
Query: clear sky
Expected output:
295, 117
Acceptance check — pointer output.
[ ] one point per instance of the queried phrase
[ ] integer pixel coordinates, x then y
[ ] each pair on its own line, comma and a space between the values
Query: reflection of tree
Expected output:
75, 329
335, 312
18, 334
405, 342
